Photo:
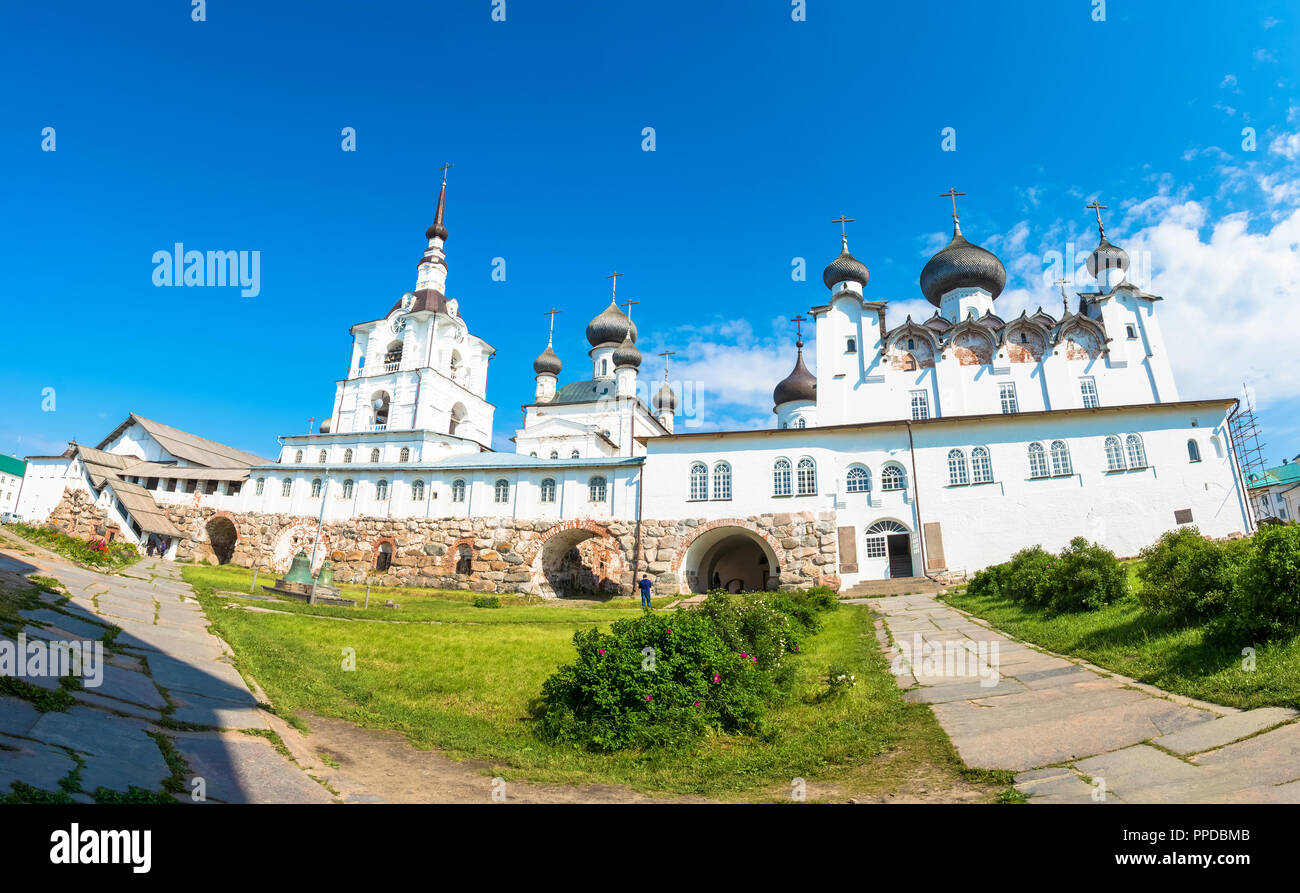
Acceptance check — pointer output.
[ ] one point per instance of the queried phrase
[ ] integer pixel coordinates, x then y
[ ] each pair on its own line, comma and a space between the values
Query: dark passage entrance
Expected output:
900, 554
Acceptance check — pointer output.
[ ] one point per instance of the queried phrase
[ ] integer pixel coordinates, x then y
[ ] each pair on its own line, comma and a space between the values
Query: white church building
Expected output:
916, 448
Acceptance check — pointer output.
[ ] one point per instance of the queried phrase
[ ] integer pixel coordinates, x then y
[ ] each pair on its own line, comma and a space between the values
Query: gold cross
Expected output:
444, 172
551, 313
666, 354
799, 321
1098, 207
628, 305
613, 290
1065, 301
841, 221
952, 193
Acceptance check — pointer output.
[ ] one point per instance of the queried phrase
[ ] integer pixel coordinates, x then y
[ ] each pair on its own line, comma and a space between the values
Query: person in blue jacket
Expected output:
645, 585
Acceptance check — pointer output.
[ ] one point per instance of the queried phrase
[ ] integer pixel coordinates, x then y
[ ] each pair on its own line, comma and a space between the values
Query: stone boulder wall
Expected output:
509, 555
77, 515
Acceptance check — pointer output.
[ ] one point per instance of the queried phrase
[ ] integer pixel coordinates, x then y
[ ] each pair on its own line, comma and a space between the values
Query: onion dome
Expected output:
1107, 257
845, 268
800, 384
547, 362
626, 353
665, 400
962, 265
438, 230
325, 427
610, 327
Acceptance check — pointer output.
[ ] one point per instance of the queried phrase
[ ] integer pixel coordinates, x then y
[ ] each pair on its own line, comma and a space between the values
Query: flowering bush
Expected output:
839, 680
95, 552
665, 679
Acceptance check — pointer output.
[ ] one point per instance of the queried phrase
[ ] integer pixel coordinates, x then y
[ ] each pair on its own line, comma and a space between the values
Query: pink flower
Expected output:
697, 703
755, 660
602, 651
717, 678
743, 654
649, 698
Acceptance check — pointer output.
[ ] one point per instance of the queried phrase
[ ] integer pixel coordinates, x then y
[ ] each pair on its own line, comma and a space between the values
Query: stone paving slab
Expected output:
32, 763
1224, 730
16, 716
81, 629
117, 751
240, 768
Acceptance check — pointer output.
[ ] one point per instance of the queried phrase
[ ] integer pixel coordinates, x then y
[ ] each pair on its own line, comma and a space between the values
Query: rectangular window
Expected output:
1088, 387
1007, 393
876, 547
920, 405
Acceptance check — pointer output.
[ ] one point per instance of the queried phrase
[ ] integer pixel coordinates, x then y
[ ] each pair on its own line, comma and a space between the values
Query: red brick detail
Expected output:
537, 547
222, 513
680, 555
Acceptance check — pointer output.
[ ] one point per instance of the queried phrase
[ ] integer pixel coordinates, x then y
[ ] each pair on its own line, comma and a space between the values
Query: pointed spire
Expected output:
439, 229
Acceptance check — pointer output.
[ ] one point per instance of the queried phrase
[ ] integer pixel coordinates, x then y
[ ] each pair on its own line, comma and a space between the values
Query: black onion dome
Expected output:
1107, 257
800, 384
845, 268
610, 327
626, 353
665, 399
547, 361
962, 264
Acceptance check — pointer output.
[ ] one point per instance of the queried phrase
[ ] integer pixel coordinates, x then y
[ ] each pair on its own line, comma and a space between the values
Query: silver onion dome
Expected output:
1107, 257
547, 362
610, 327
962, 264
626, 353
845, 268
665, 399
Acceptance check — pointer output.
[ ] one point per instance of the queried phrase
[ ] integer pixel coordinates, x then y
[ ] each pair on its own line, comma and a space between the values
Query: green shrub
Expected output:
839, 680
1186, 576
1084, 577
663, 680
1265, 599
95, 552
486, 601
1018, 579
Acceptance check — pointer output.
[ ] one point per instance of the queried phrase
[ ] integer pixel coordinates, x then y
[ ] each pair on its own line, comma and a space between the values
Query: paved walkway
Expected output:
1067, 728
168, 683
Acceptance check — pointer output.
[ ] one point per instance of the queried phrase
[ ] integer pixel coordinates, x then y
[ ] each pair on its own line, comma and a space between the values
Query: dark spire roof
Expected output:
665, 399
626, 353
548, 361
1107, 257
438, 230
962, 264
800, 384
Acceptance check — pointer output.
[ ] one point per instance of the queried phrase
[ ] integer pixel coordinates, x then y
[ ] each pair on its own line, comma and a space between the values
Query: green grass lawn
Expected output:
1179, 658
466, 685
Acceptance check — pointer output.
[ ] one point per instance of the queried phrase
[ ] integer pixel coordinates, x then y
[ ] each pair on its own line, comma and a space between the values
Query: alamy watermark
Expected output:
951, 659
216, 269
26, 658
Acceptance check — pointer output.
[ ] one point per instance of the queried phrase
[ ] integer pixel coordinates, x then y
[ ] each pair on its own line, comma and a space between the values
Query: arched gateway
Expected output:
577, 558
731, 554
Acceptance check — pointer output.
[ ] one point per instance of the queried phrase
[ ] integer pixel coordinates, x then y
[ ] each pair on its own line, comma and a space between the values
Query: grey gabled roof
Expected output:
189, 447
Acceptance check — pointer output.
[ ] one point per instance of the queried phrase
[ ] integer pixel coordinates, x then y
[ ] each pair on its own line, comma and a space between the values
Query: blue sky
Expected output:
226, 134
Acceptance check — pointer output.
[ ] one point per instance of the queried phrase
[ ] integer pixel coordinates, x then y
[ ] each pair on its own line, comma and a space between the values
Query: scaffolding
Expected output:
1243, 425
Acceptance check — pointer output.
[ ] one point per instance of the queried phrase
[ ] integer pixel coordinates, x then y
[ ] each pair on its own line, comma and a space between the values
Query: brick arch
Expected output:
680, 555
374, 550
229, 516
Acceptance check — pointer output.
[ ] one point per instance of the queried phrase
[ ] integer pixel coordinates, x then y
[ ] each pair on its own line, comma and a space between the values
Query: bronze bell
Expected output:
326, 577
300, 572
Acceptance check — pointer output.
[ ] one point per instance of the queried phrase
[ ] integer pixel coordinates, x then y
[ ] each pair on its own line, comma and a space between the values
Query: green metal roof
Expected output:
10, 465
1287, 473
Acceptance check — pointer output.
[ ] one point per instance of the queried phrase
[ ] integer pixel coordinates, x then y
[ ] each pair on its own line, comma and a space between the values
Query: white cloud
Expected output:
1270, 22
1287, 145
1265, 55
1229, 82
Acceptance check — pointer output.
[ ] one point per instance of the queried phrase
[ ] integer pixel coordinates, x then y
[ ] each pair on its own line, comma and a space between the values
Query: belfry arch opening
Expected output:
732, 558
222, 537
578, 563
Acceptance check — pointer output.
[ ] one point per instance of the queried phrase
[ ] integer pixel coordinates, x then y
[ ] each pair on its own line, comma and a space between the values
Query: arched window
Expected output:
893, 477
501, 492
699, 481
1218, 445
958, 472
1114, 454
404, 455
596, 489
807, 477
315, 487
858, 479
876, 534
464, 560
1061, 458
722, 481
259, 487
575, 455
1193, 451
322, 458
417, 491
981, 466
548, 490
374, 455
1137, 454
458, 490
800, 422
533, 454
851, 345
347, 457
1037, 461
555, 454
381, 490
384, 556
287, 487
781, 477
347, 489
297, 458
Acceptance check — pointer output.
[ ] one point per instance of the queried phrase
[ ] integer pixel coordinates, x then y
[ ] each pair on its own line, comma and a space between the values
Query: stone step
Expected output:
891, 586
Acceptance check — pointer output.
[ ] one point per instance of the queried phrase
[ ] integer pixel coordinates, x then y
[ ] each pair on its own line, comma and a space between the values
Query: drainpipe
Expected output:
636, 539
916, 498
